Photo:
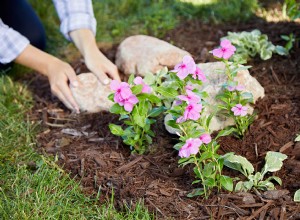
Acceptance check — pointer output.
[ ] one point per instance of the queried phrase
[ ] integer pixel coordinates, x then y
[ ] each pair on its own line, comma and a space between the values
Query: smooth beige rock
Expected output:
91, 95
214, 72
142, 54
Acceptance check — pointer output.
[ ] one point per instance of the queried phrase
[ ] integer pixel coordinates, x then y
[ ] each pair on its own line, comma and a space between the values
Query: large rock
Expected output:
142, 54
215, 79
91, 95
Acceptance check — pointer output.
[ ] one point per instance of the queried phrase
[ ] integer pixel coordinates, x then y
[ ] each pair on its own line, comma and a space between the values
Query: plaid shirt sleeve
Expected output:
75, 15
12, 43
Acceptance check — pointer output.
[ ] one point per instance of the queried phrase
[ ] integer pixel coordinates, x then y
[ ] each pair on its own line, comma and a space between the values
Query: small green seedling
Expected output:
297, 196
273, 163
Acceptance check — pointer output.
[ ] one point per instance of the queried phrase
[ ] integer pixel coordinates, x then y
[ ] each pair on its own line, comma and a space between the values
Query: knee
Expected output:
37, 38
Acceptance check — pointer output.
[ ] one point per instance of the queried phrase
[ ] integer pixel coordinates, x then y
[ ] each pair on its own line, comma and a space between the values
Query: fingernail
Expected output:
106, 81
75, 83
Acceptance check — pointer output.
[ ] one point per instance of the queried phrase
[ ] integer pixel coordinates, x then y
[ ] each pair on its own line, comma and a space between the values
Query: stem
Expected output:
202, 179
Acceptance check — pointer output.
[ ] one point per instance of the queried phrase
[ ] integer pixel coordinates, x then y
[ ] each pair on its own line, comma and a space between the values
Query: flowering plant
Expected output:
138, 108
175, 92
234, 100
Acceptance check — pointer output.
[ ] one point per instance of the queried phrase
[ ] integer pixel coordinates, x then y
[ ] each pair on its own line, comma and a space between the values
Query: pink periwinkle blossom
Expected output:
186, 67
225, 51
205, 138
180, 120
198, 74
190, 97
139, 81
239, 110
192, 111
177, 102
191, 146
129, 102
237, 88
122, 90
189, 87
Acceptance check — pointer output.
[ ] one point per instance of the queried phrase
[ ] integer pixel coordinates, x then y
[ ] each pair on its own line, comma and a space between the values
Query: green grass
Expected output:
33, 186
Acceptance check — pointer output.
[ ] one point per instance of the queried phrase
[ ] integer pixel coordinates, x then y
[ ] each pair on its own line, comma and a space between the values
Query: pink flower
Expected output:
239, 110
237, 88
199, 74
186, 67
226, 50
190, 97
139, 81
129, 102
180, 120
189, 87
191, 146
122, 90
192, 111
205, 138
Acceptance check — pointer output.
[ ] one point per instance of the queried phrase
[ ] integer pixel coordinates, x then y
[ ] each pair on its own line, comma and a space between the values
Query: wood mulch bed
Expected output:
90, 153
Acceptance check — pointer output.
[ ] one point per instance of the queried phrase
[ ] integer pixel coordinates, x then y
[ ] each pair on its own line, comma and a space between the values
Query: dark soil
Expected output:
101, 162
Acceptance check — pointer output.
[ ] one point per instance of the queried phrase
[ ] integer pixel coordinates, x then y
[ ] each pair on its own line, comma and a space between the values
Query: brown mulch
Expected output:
100, 161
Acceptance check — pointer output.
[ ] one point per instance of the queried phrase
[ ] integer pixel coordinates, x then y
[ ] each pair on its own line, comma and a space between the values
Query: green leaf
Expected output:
111, 97
178, 145
167, 92
239, 163
156, 111
225, 132
137, 89
149, 78
116, 130
297, 196
152, 98
196, 192
117, 109
173, 124
273, 161
226, 182
281, 51
131, 78
276, 178
297, 138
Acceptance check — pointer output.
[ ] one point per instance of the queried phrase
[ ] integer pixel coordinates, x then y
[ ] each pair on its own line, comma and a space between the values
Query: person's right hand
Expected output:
60, 74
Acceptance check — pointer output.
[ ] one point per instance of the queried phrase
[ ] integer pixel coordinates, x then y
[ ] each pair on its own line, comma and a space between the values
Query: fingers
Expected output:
72, 78
61, 89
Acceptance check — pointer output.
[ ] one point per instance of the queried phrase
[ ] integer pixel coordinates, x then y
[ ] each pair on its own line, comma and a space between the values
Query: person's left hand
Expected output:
95, 61
102, 67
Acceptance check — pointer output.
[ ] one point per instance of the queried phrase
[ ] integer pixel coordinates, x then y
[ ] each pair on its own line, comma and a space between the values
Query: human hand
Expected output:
60, 74
102, 67
95, 61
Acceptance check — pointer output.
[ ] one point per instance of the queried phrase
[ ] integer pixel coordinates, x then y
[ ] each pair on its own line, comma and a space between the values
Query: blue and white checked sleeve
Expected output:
12, 43
75, 15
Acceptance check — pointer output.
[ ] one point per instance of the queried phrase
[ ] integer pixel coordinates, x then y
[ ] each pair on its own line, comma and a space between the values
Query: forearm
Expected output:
85, 41
36, 59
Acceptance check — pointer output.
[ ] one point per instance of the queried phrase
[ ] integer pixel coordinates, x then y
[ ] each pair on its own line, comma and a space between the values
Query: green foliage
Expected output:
218, 11
297, 196
291, 9
251, 44
273, 163
120, 18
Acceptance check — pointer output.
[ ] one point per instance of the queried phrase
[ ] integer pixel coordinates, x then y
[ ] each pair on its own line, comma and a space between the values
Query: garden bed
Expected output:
98, 159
